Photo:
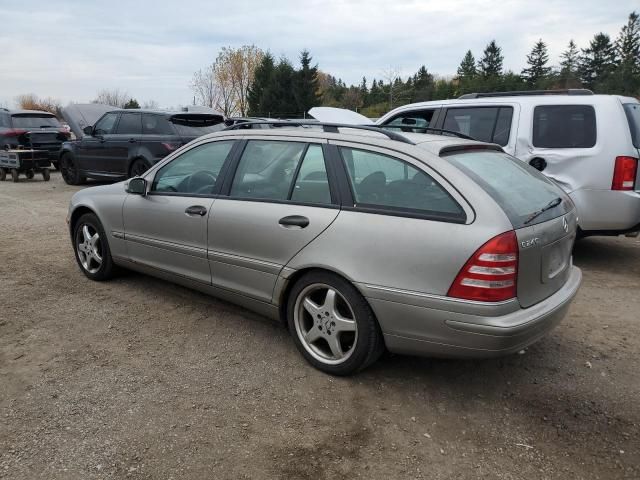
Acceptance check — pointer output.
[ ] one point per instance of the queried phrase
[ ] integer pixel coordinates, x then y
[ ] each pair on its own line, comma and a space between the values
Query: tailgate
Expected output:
545, 257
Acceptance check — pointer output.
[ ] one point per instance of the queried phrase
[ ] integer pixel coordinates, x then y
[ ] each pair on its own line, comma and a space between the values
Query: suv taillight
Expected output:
491, 273
14, 132
624, 173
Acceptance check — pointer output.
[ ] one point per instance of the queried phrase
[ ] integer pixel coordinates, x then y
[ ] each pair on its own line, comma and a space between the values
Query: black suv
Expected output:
32, 129
125, 143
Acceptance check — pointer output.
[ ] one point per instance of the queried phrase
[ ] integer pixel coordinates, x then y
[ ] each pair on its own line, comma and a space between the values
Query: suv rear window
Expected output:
520, 190
564, 126
632, 110
30, 120
486, 124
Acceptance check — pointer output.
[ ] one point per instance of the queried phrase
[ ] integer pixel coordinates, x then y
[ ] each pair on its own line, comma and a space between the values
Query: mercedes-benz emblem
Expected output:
565, 224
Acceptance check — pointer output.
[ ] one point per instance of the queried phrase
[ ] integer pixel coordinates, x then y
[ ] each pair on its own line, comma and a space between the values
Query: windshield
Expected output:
30, 120
633, 117
519, 189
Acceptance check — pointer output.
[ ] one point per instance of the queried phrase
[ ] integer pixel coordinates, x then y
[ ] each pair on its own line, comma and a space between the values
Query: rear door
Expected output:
123, 144
279, 199
159, 137
90, 150
167, 228
542, 216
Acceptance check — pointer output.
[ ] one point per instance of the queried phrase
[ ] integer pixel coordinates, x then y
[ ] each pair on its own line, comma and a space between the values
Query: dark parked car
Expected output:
125, 143
32, 129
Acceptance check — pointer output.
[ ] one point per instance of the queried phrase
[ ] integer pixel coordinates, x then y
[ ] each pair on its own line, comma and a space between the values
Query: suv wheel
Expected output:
138, 167
69, 170
92, 249
332, 324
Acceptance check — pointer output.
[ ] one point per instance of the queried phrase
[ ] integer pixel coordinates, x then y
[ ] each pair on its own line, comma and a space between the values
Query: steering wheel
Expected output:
201, 182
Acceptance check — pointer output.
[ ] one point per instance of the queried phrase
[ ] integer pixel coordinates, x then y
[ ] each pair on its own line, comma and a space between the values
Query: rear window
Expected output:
564, 126
632, 110
31, 120
519, 189
156, 125
486, 124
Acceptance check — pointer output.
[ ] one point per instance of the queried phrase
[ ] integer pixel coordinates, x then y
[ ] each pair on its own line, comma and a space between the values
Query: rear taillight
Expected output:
491, 273
624, 173
14, 132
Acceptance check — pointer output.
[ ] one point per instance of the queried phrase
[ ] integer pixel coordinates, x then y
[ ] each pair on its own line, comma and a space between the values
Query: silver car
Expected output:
357, 240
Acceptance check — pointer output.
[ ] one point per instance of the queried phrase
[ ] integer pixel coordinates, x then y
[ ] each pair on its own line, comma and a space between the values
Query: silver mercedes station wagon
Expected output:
357, 239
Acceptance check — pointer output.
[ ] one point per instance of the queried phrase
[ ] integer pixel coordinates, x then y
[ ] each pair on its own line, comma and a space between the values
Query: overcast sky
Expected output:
71, 49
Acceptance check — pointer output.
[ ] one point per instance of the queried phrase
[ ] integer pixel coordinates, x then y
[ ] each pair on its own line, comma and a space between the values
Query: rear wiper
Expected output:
553, 203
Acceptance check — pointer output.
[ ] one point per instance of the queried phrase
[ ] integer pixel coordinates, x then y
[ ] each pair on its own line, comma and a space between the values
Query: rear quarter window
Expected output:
632, 111
520, 190
564, 126
486, 124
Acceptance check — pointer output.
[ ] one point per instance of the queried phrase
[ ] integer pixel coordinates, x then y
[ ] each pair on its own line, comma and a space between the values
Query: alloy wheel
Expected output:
325, 324
89, 248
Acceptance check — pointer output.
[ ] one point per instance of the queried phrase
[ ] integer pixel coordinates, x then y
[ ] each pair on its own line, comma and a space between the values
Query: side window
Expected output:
193, 172
416, 122
4, 120
564, 126
266, 169
105, 124
486, 124
312, 184
130, 124
156, 125
390, 184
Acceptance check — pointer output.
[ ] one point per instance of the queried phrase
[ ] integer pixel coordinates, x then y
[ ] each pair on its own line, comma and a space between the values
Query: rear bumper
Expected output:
421, 330
607, 212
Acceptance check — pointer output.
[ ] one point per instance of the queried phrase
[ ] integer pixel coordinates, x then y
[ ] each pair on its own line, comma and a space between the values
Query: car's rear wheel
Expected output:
46, 175
92, 249
30, 174
69, 170
332, 324
3, 174
138, 167
14, 175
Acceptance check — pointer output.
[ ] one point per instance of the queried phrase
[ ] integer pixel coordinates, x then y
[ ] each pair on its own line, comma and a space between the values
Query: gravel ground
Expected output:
138, 378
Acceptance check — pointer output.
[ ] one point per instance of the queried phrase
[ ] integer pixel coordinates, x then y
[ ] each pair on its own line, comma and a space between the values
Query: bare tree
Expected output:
115, 98
242, 63
391, 74
204, 87
31, 101
150, 105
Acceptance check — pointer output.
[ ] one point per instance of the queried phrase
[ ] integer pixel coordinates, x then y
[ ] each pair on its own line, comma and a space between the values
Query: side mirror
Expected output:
137, 186
88, 129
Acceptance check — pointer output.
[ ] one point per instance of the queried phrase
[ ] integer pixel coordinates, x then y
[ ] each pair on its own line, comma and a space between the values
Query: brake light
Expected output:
624, 173
14, 132
490, 275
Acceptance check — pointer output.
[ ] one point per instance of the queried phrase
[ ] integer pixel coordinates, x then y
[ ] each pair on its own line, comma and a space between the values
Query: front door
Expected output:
167, 228
278, 201
92, 149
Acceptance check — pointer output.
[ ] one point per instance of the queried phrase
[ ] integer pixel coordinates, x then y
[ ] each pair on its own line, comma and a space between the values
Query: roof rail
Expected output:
4, 108
326, 127
524, 93
441, 131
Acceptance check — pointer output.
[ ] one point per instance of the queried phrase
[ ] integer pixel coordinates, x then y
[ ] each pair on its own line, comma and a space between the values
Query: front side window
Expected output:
194, 172
486, 124
156, 125
130, 124
564, 126
387, 183
416, 121
105, 124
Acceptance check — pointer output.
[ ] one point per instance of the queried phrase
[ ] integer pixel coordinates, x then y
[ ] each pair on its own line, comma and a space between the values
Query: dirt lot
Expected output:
137, 378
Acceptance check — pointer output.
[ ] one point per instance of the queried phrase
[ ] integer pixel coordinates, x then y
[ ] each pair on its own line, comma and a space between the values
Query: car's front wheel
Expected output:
92, 249
69, 170
332, 324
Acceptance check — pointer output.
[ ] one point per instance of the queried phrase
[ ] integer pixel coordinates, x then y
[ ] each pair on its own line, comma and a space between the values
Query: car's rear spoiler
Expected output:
197, 119
467, 147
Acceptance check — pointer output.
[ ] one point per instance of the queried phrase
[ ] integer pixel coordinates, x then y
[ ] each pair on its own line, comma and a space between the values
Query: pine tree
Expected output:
537, 71
283, 88
363, 87
490, 65
306, 84
569, 67
422, 85
261, 96
132, 103
467, 68
628, 51
597, 62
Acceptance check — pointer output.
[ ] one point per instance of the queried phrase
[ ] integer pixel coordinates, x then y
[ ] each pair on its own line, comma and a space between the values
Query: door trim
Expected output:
170, 246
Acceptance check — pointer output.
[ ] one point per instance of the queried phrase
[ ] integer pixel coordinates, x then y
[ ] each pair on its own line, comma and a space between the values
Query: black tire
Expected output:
46, 176
368, 344
138, 167
3, 174
14, 175
30, 174
69, 170
103, 270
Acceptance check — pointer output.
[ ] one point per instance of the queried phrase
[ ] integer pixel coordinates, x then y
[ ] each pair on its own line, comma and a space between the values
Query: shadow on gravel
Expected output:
606, 253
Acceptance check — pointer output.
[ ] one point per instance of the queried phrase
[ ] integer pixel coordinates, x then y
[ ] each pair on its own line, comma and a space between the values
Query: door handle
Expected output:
196, 210
132, 140
294, 221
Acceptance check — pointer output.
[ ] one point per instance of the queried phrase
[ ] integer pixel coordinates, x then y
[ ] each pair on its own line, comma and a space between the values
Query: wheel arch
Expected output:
132, 160
76, 214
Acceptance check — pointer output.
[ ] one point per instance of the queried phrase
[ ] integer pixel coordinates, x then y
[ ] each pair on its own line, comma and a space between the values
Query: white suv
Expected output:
589, 144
